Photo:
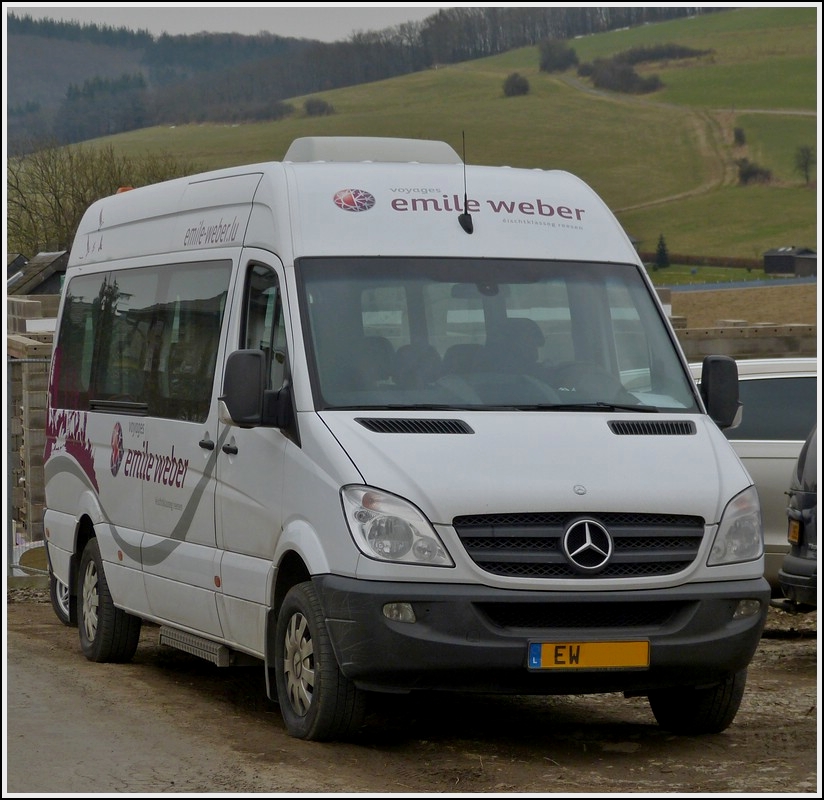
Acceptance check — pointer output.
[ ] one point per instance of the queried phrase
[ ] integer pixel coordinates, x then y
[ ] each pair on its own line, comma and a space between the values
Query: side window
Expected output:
74, 352
183, 339
146, 338
263, 327
776, 409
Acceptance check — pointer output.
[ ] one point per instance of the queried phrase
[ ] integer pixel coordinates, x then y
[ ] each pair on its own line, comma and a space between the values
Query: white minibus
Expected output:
381, 421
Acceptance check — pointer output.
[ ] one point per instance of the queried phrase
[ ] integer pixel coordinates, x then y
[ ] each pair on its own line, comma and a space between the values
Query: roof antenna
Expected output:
465, 219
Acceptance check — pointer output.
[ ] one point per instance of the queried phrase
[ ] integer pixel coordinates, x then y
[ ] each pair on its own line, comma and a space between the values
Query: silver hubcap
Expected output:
91, 600
61, 595
299, 665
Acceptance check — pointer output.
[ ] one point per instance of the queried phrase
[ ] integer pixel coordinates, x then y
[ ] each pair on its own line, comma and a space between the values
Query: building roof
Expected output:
36, 275
790, 251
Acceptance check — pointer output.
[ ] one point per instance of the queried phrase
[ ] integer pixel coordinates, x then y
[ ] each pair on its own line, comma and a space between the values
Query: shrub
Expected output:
738, 137
516, 84
749, 172
556, 55
315, 107
659, 52
617, 76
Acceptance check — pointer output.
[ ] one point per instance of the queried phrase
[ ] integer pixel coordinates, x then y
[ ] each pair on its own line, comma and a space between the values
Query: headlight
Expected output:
389, 528
740, 534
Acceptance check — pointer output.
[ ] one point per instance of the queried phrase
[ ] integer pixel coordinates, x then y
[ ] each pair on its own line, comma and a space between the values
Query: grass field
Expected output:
665, 162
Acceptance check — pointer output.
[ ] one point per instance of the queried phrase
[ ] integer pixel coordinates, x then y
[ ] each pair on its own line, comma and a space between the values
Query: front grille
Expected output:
529, 545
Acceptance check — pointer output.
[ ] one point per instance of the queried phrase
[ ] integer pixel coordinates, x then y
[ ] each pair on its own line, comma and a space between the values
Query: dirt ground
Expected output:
778, 305
170, 722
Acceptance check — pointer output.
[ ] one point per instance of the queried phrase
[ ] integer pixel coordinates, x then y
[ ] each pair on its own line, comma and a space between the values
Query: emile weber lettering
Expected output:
453, 203
205, 233
155, 467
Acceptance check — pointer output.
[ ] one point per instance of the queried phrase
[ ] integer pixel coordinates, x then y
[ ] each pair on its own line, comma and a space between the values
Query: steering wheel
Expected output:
589, 382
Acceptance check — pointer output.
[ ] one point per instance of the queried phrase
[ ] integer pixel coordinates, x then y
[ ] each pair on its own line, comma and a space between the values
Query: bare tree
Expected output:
50, 188
805, 161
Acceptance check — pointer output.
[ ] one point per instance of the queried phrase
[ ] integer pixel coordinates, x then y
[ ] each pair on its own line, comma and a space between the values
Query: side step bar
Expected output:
218, 654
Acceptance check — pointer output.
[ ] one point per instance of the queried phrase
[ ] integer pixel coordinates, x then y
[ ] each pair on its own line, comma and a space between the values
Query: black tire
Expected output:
107, 634
690, 711
317, 701
63, 601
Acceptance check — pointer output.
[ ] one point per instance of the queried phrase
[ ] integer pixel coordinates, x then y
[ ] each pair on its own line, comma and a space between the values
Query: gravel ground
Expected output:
170, 722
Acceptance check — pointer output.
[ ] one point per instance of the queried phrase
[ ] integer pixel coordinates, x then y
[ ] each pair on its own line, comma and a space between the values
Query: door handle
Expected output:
207, 444
230, 449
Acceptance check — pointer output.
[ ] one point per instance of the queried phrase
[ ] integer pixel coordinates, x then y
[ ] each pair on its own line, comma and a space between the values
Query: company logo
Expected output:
117, 448
354, 200
587, 545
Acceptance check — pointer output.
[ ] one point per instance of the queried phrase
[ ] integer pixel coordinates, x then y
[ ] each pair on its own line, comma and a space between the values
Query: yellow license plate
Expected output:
589, 655
792, 531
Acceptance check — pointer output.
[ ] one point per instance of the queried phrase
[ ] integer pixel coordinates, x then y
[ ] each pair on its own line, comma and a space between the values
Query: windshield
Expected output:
486, 334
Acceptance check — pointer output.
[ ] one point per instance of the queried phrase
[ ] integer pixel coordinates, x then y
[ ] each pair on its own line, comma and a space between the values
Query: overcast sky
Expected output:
328, 22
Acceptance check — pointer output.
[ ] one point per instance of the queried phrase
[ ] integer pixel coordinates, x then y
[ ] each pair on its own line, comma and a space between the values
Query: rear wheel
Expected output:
63, 602
691, 711
106, 632
316, 700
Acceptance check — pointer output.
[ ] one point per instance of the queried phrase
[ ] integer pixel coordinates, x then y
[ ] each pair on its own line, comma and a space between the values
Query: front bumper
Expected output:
474, 638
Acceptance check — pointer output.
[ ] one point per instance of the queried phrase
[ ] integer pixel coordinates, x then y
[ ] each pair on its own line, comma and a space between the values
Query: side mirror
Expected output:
719, 390
244, 380
246, 402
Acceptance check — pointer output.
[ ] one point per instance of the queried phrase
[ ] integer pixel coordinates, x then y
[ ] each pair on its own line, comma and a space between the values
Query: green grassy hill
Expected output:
665, 162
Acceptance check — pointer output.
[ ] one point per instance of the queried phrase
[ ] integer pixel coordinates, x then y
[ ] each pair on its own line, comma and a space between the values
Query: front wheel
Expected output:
107, 634
691, 711
317, 701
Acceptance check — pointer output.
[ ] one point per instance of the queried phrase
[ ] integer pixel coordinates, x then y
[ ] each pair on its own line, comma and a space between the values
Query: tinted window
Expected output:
264, 327
142, 339
776, 408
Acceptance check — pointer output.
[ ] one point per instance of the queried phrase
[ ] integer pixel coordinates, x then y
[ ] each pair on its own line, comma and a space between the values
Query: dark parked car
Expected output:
798, 575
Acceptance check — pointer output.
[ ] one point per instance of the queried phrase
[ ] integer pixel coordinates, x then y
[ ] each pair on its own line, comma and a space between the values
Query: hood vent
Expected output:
652, 428
399, 425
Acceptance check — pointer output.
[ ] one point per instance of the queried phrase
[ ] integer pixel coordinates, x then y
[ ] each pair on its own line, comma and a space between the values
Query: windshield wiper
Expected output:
403, 407
599, 406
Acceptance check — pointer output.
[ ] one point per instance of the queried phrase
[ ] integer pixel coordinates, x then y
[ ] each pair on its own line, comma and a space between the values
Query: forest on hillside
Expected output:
210, 77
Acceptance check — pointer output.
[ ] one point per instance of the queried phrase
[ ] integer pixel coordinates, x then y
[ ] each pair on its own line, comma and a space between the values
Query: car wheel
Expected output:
692, 711
107, 634
63, 602
317, 701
